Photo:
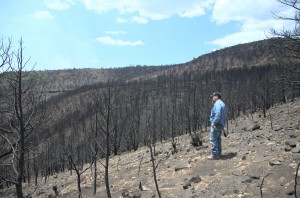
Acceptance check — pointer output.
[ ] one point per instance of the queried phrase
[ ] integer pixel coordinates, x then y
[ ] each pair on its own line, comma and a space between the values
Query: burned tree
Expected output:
23, 112
290, 70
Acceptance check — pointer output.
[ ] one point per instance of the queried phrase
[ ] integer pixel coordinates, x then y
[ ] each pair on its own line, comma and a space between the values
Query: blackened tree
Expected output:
24, 112
291, 46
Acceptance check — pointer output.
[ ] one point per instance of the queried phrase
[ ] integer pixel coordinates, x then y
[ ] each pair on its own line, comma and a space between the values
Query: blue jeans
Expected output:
216, 141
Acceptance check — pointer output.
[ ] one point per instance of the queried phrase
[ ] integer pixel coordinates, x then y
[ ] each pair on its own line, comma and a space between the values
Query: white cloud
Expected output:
42, 15
225, 11
59, 4
139, 19
238, 38
151, 10
256, 20
115, 32
198, 10
135, 19
110, 41
121, 20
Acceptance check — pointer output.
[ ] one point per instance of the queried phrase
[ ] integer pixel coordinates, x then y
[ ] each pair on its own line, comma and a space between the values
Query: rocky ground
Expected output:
260, 156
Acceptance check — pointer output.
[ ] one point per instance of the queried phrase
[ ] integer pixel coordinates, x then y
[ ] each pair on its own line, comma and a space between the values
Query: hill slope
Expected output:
254, 54
258, 53
257, 157
59, 81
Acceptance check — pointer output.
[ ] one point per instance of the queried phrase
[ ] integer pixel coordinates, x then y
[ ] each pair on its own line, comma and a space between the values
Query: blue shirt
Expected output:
218, 113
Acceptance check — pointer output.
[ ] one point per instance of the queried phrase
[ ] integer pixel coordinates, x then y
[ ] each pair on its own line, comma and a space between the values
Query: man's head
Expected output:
215, 96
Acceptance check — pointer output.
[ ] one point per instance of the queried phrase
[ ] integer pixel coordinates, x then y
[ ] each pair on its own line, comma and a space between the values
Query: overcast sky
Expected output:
61, 34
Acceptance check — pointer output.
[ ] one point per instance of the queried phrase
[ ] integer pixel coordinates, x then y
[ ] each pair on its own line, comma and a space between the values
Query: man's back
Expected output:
218, 113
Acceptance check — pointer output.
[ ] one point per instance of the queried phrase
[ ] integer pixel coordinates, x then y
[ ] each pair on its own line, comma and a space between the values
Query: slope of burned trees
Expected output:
174, 105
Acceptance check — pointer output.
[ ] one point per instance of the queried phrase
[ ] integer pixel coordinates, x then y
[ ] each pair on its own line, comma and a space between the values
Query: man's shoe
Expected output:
213, 158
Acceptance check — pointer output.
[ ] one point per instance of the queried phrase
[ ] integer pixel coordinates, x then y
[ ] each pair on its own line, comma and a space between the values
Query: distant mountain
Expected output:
258, 53
58, 81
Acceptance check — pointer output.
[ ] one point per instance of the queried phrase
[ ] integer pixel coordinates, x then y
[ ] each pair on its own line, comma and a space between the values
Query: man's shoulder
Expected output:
220, 102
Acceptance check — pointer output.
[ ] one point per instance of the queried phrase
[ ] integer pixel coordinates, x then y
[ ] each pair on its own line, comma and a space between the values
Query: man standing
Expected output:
217, 120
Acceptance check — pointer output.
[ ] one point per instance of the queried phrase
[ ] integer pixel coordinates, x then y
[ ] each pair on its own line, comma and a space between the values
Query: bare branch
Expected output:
261, 185
296, 178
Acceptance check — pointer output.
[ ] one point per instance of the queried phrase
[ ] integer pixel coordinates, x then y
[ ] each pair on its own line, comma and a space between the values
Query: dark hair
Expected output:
217, 94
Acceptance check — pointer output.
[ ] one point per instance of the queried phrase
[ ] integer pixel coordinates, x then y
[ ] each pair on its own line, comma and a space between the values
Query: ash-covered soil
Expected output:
260, 155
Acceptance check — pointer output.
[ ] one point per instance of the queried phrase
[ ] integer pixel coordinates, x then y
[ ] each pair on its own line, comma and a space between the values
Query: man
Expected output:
217, 120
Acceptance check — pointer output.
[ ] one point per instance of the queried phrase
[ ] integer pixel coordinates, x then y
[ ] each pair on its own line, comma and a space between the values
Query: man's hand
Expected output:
213, 126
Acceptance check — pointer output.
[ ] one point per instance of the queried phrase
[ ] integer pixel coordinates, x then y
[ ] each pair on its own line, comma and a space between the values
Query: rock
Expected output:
247, 179
290, 128
196, 140
255, 127
291, 143
277, 128
39, 192
194, 193
178, 168
293, 135
196, 159
287, 148
125, 193
236, 191
233, 144
293, 165
254, 175
136, 194
237, 173
290, 192
144, 188
226, 192
168, 185
274, 162
295, 158
201, 147
186, 184
295, 150
195, 179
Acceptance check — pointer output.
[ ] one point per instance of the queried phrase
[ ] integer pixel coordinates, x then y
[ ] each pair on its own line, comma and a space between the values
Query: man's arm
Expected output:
217, 111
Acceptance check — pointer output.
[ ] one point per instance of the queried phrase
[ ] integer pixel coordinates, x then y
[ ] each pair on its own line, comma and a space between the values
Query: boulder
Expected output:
178, 168
246, 179
126, 193
196, 140
295, 150
255, 127
277, 128
291, 143
290, 192
287, 148
201, 147
274, 162
195, 179
186, 184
